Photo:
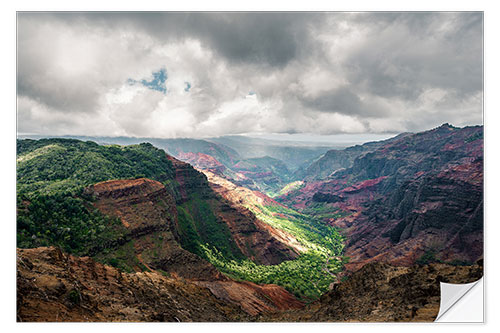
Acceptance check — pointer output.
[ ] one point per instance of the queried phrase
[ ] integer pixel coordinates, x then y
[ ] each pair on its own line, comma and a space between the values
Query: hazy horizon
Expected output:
310, 139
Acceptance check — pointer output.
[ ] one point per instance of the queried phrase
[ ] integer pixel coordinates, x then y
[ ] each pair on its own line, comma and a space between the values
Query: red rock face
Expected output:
254, 298
139, 203
421, 193
202, 161
149, 211
254, 242
362, 186
190, 181
256, 239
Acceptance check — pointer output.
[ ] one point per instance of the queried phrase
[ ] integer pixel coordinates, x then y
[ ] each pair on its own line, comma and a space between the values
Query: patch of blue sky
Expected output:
188, 86
157, 83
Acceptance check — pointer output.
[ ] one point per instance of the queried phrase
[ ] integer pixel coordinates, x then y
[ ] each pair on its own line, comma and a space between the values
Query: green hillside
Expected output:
54, 209
54, 166
51, 175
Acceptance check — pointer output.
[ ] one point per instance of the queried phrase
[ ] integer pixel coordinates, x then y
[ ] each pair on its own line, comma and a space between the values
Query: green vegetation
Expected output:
65, 221
310, 232
428, 257
306, 277
198, 225
54, 166
52, 208
74, 296
291, 187
122, 257
268, 174
323, 211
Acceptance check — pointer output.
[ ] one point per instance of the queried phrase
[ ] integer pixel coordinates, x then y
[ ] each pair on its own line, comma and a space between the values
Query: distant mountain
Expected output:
269, 175
293, 155
336, 159
202, 161
264, 165
222, 153
416, 198
264, 174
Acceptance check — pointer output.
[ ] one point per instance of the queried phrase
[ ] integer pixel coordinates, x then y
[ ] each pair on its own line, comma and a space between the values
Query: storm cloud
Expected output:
210, 74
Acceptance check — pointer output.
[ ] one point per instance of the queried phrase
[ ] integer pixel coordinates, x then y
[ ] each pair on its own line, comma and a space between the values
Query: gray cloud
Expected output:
343, 101
271, 39
408, 53
311, 72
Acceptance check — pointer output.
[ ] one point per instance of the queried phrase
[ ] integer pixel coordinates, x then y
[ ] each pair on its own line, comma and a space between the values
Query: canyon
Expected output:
346, 238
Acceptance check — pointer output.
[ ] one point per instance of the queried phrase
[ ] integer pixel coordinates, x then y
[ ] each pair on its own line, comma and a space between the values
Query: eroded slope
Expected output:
52, 286
379, 292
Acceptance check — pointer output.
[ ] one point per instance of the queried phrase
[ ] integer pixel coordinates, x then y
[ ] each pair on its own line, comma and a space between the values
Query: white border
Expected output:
7, 199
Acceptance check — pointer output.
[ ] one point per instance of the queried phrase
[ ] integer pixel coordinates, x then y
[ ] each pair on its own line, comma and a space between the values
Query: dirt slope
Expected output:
52, 286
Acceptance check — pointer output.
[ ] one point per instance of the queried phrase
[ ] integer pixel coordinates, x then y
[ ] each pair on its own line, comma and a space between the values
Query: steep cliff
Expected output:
149, 213
270, 238
207, 217
338, 159
418, 197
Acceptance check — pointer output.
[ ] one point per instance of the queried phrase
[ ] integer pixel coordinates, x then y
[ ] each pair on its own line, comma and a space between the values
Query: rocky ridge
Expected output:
147, 209
243, 198
416, 197
149, 212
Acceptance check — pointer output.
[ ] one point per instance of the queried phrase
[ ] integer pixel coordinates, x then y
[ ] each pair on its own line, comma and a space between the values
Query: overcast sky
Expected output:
210, 74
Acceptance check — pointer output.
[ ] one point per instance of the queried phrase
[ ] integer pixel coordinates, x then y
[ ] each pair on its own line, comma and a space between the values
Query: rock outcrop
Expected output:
269, 241
146, 208
148, 211
53, 286
254, 241
253, 298
379, 292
